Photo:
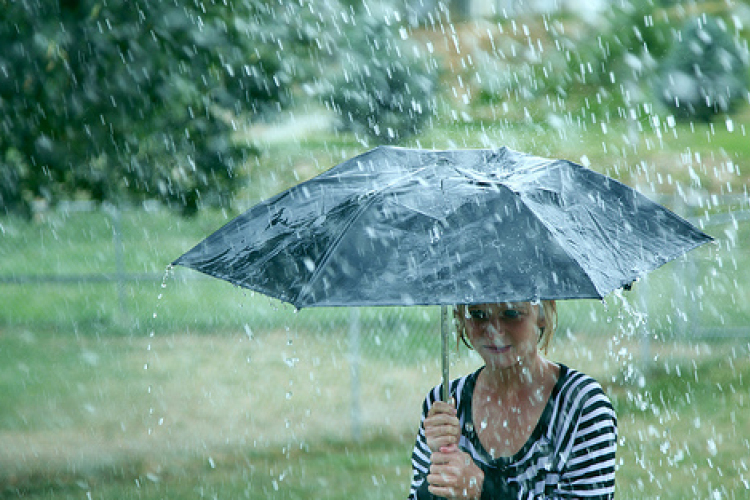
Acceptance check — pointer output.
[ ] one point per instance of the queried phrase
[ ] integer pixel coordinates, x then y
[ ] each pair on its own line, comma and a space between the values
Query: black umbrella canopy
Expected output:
397, 226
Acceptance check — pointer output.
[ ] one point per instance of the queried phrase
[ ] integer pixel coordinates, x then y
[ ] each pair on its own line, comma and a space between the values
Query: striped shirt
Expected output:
570, 453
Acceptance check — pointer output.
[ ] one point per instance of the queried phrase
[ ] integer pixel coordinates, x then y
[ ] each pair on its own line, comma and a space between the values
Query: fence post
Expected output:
680, 276
645, 341
354, 360
116, 217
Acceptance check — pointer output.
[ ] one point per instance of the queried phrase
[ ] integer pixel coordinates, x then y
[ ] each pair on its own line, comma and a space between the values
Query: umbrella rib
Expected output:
376, 191
554, 235
371, 196
320, 265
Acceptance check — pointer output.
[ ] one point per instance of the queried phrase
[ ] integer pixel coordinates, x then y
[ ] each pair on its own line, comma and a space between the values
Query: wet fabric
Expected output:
570, 453
397, 226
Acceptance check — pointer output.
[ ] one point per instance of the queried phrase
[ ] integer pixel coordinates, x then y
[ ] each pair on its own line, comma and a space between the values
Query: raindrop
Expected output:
291, 362
712, 448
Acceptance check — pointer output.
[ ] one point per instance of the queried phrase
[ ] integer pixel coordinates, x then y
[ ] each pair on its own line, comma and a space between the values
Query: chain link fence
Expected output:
339, 372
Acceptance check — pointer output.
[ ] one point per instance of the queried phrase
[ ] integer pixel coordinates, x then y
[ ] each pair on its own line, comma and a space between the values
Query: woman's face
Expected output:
503, 334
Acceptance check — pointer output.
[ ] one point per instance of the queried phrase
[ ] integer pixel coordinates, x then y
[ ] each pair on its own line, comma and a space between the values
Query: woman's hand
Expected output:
441, 427
454, 475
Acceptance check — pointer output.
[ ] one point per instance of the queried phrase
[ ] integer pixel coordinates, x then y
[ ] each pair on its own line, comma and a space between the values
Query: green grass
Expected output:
684, 432
82, 415
372, 470
173, 415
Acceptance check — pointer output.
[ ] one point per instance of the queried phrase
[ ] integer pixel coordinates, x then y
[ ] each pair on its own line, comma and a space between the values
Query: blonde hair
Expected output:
547, 310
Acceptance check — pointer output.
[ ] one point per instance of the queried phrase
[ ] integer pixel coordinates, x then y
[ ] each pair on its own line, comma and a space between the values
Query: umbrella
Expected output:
397, 226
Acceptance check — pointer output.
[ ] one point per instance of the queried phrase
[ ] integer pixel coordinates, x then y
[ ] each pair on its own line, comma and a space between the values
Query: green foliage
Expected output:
705, 71
622, 56
133, 99
567, 65
381, 89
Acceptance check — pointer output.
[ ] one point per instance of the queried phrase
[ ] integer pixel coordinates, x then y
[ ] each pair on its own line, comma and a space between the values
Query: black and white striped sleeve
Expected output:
590, 468
420, 457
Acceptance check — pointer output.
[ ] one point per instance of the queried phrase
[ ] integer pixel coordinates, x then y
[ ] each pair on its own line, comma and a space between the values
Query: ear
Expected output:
541, 316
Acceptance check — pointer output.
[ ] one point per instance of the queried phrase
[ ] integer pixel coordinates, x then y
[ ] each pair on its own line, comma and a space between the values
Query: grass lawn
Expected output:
225, 415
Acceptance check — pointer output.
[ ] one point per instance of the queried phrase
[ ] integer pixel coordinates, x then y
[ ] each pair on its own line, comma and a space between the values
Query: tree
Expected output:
379, 88
705, 72
134, 99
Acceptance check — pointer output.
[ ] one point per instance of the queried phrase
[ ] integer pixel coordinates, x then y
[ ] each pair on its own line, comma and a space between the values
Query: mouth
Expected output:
495, 349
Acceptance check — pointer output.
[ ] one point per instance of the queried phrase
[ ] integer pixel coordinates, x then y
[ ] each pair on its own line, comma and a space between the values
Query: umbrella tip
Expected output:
168, 272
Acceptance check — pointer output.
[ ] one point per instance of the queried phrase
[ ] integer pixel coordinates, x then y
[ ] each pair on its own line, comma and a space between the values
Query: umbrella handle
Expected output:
445, 396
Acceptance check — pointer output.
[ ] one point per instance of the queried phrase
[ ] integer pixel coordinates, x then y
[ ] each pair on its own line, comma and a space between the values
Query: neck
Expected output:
527, 375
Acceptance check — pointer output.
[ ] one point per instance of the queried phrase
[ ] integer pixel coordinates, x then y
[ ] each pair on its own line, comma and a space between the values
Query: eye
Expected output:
479, 314
511, 314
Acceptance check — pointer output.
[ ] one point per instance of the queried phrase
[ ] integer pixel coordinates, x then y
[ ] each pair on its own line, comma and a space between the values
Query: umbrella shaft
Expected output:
446, 362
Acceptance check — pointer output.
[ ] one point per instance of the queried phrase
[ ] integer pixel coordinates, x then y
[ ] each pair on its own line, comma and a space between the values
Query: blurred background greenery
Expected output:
131, 130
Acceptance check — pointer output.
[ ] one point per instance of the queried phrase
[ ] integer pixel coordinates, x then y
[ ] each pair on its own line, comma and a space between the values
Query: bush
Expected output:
705, 72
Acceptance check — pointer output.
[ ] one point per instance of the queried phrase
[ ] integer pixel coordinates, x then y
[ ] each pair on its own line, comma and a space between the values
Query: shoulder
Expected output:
582, 394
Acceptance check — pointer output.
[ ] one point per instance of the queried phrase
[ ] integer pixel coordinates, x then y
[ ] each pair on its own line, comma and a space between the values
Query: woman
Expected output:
519, 427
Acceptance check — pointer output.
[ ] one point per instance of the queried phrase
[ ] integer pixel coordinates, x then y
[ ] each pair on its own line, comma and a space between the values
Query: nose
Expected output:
494, 327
